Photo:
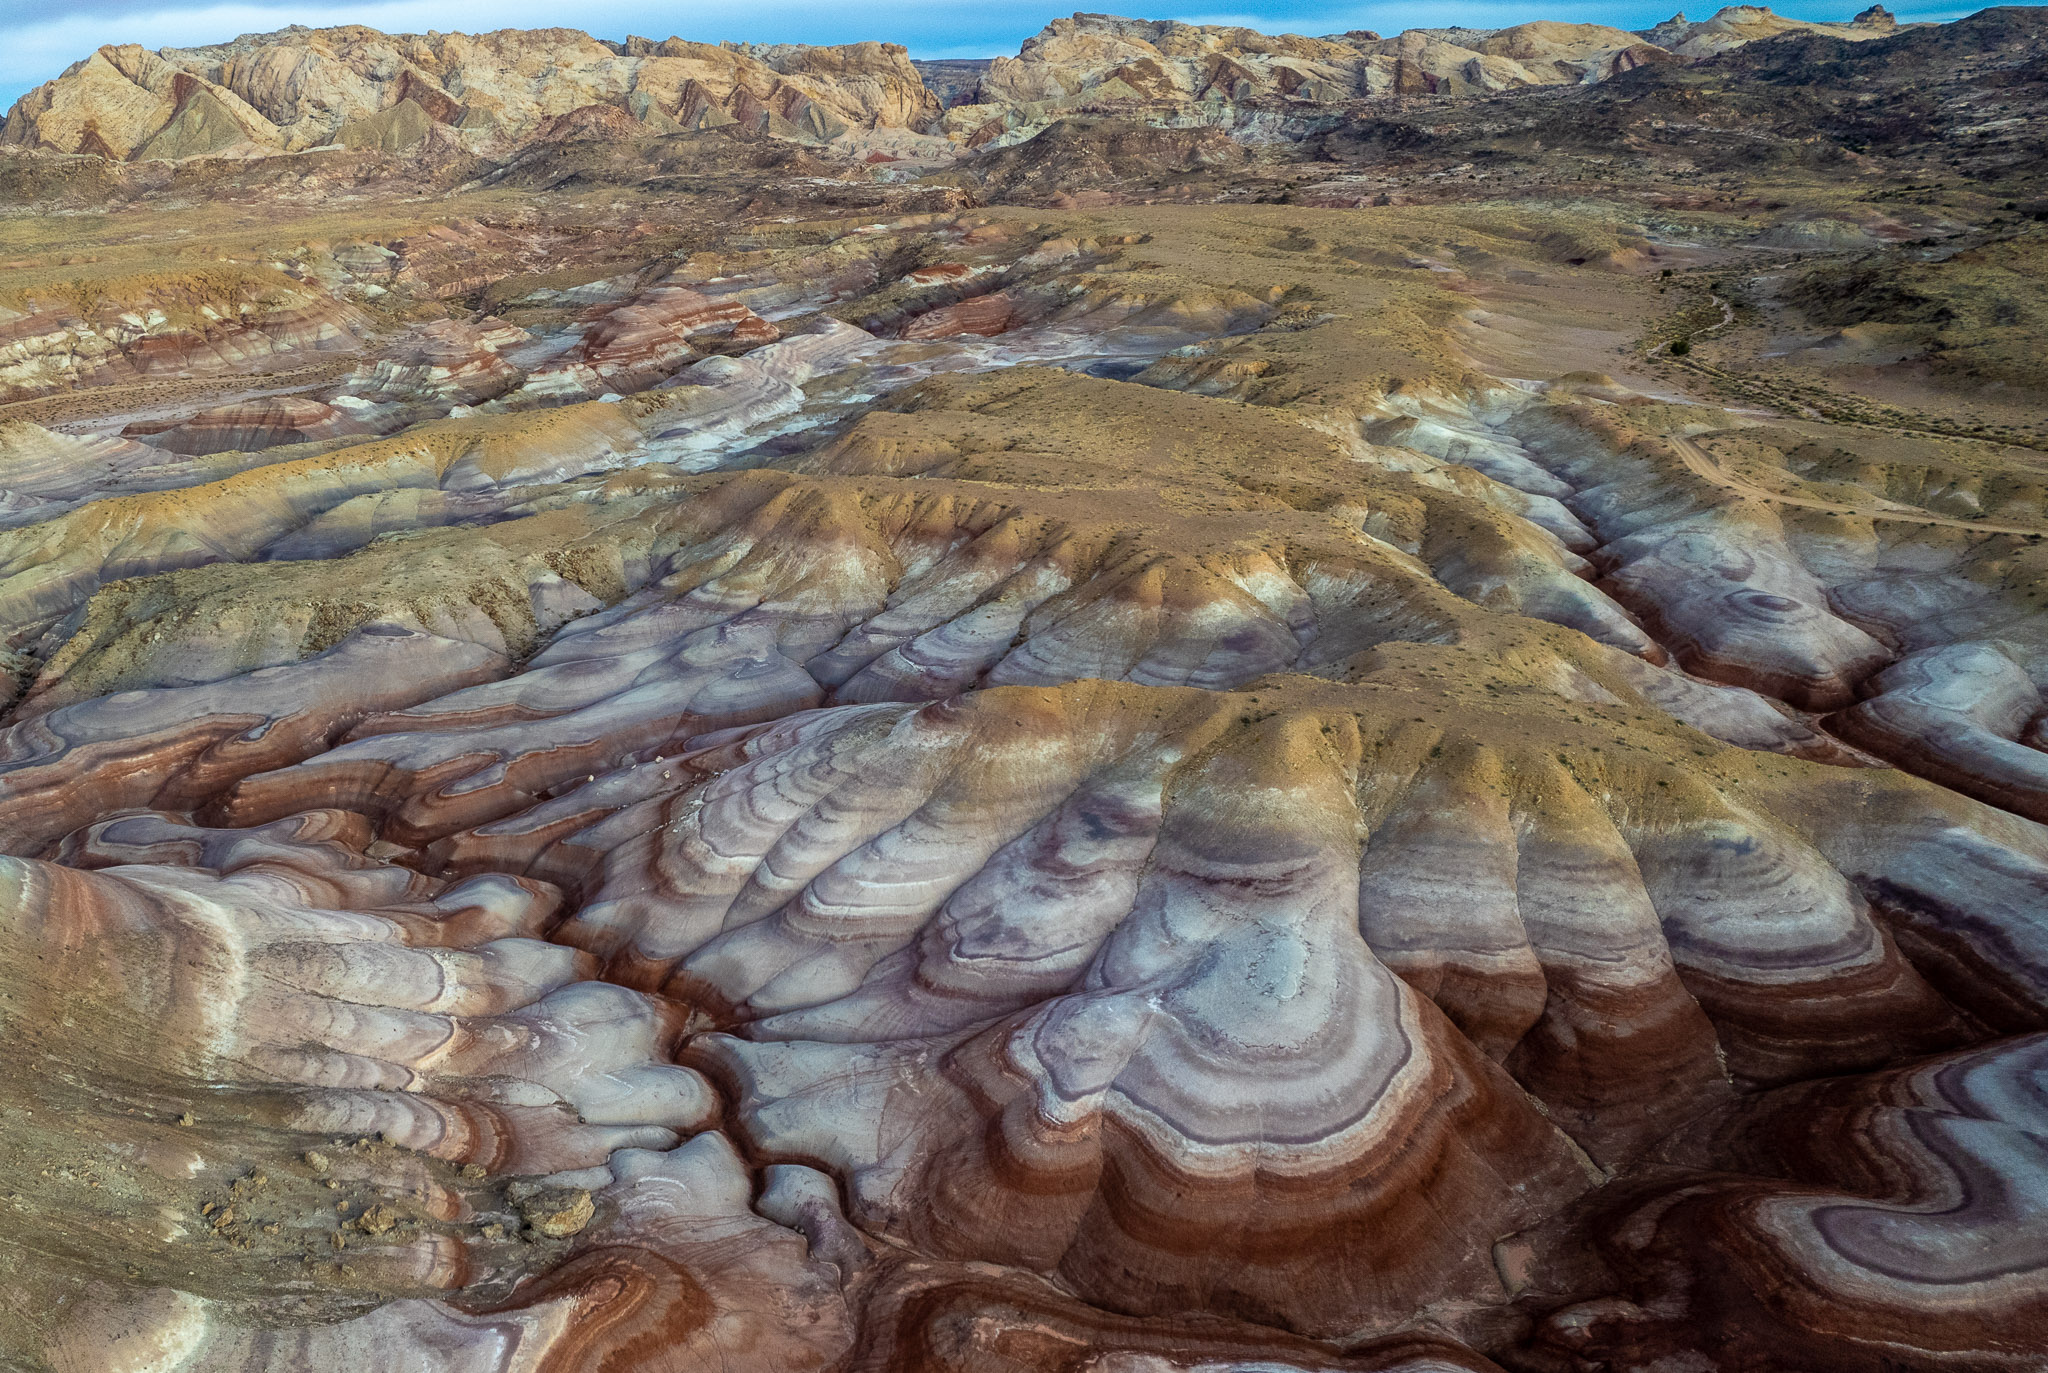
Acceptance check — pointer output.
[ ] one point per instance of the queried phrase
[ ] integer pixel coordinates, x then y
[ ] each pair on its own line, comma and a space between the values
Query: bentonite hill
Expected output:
1195, 701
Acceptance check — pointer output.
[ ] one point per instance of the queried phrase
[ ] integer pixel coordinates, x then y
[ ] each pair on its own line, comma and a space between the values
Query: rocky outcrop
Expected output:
42, 473
1095, 152
448, 362
989, 314
302, 88
1961, 715
1735, 25
179, 323
680, 1262
263, 423
649, 338
1893, 1189
51, 567
162, 748
1093, 63
494, 93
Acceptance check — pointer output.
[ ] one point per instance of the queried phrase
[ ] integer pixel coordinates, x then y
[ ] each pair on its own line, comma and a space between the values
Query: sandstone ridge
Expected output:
491, 93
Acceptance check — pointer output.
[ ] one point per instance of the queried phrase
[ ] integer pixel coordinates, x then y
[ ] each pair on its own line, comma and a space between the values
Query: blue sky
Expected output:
39, 40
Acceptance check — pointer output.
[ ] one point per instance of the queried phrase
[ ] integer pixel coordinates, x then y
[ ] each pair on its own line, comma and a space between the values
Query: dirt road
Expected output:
1702, 464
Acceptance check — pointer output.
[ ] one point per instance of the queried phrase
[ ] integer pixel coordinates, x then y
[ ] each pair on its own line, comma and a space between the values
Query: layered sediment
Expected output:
1101, 787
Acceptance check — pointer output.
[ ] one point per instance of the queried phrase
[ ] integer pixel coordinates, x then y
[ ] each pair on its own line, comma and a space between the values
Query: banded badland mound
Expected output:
708, 753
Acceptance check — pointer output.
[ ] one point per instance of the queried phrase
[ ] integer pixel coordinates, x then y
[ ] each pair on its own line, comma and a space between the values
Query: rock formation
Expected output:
173, 324
302, 88
705, 753
355, 88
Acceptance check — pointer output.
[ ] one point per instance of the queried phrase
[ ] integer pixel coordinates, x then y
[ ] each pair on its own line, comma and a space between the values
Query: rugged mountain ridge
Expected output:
489, 94
301, 88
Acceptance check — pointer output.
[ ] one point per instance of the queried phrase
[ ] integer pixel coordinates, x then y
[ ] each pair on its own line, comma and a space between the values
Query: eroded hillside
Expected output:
1418, 745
